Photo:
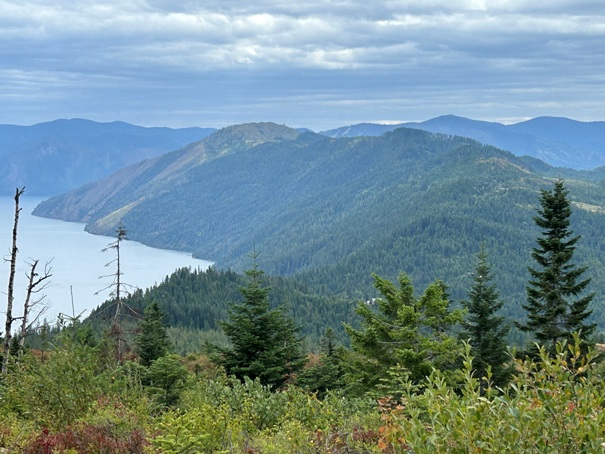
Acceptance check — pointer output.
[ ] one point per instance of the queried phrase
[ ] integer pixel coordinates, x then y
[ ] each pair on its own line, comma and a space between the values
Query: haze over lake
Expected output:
76, 261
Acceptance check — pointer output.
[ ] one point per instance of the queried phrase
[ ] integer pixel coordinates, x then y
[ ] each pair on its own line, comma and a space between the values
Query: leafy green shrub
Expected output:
554, 404
57, 392
236, 416
14, 432
122, 415
291, 436
250, 402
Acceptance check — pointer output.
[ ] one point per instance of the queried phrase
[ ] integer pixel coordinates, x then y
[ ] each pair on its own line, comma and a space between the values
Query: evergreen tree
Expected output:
327, 373
485, 330
264, 340
402, 335
152, 342
15, 348
557, 304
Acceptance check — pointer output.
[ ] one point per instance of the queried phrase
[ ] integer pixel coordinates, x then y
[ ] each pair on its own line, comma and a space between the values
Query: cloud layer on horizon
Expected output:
317, 63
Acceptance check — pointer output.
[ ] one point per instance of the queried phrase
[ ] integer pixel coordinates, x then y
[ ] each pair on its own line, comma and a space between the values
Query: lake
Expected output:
76, 261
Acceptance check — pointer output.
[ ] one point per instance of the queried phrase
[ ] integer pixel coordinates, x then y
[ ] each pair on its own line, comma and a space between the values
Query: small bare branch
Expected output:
36, 283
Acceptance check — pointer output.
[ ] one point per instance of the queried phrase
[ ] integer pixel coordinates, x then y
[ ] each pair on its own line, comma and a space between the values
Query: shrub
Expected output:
554, 404
87, 439
57, 392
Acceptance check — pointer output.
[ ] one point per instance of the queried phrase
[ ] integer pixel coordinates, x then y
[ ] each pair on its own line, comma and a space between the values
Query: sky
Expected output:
306, 63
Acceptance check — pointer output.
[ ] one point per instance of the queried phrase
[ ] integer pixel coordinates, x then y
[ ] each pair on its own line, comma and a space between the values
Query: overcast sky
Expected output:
304, 63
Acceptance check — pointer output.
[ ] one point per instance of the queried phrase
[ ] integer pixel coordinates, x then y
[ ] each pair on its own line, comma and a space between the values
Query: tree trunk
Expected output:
11, 286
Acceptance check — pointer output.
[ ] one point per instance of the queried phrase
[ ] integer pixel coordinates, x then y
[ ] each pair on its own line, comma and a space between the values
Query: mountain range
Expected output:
58, 156
334, 210
560, 142
55, 157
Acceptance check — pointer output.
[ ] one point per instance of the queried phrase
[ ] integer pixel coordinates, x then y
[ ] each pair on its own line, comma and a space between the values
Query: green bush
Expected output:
236, 416
182, 433
554, 404
165, 379
60, 390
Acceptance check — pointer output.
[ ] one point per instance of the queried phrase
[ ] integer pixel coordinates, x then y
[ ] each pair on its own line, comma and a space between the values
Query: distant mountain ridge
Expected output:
560, 142
335, 210
57, 156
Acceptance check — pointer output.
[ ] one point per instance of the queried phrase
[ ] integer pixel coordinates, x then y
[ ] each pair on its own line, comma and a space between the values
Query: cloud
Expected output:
264, 53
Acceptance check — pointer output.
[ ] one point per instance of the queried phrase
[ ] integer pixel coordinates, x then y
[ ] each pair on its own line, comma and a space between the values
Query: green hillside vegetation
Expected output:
75, 397
194, 302
408, 383
332, 211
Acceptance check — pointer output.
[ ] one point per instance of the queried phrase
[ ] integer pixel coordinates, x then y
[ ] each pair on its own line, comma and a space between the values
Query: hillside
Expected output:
55, 157
195, 301
560, 142
332, 211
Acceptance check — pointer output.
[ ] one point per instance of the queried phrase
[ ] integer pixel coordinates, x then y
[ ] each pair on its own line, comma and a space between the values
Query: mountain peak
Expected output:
239, 137
254, 132
455, 120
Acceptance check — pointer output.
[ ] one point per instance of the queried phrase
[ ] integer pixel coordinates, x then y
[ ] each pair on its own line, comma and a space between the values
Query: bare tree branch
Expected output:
36, 284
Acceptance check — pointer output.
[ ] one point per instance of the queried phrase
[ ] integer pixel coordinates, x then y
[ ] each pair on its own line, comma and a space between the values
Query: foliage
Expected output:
554, 404
326, 373
557, 304
403, 335
165, 379
483, 329
87, 439
265, 342
15, 432
152, 341
183, 433
330, 211
234, 416
194, 302
58, 391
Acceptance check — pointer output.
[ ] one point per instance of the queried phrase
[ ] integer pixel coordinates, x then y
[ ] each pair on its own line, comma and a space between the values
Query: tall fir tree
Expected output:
557, 302
483, 328
265, 342
152, 342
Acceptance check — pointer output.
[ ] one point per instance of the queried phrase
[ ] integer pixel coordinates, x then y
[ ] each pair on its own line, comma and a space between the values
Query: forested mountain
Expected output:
195, 301
55, 157
332, 211
559, 142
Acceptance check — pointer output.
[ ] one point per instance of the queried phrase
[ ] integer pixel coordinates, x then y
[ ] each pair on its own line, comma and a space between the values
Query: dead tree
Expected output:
36, 283
118, 288
11, 285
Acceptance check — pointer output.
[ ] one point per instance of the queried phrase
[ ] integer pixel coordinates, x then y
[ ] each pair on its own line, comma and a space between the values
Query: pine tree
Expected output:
152, 342
484, 330
557, 304
402, 335
264, 340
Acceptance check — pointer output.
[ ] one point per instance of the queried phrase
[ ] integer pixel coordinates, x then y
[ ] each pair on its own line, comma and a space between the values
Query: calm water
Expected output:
77, 261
